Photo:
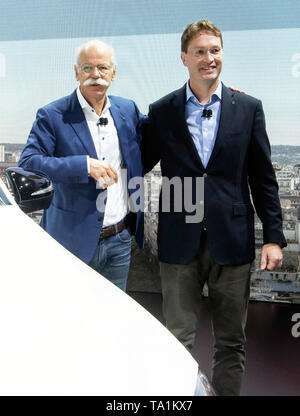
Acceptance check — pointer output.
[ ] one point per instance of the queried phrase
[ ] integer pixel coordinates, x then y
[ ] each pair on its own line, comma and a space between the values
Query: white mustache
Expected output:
98, 81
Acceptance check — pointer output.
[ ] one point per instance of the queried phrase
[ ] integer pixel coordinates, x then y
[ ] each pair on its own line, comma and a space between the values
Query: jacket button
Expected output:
204, 175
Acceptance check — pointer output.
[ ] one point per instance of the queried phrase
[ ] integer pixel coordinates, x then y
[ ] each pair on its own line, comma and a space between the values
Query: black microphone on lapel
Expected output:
102, 121
207, 113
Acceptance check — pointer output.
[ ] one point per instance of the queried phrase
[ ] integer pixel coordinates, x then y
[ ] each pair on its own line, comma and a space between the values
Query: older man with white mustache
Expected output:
98, 81
82, 142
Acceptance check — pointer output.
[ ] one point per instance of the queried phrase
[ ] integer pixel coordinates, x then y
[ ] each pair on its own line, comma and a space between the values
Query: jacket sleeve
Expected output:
150, 146
140, 118
39, 154
263, 183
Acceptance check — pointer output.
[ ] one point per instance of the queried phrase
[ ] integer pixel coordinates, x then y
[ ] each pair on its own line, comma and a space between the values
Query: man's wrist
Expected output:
281, 244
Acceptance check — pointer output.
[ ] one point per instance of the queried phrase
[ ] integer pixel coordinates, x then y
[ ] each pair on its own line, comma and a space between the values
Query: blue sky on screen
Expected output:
38, 46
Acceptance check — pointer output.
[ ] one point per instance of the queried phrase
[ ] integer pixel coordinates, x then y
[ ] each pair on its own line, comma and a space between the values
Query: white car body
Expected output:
66, 330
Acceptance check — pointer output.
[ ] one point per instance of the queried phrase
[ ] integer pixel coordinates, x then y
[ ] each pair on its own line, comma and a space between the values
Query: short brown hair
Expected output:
193, 28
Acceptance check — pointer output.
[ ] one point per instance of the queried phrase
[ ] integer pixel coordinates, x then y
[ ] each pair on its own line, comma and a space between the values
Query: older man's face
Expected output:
94, 64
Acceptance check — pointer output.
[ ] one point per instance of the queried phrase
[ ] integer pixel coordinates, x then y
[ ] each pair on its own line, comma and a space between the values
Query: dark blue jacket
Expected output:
240, 162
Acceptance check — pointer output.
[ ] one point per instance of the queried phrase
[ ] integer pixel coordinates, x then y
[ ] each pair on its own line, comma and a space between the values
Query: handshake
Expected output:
103, 172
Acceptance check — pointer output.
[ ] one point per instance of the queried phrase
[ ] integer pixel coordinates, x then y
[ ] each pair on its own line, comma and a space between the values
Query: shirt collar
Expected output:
84, 104
216, 95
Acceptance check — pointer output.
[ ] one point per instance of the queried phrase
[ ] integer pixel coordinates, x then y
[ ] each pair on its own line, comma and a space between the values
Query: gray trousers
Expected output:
229, 288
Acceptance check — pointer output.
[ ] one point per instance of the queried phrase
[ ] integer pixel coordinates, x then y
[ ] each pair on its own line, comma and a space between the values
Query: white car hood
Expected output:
66, 330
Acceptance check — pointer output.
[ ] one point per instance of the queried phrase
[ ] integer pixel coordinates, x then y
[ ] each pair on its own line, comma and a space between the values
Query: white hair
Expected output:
100, 45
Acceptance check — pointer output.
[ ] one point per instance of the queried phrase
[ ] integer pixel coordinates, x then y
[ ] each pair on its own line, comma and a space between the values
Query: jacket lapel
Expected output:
75, 117
178, 102
227, 111
120, 122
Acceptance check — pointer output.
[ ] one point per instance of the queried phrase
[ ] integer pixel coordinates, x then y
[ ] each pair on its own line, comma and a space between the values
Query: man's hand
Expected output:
236, 90
271, 257
103, 172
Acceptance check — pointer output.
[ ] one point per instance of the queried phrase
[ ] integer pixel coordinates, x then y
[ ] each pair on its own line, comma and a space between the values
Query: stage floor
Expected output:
272, 352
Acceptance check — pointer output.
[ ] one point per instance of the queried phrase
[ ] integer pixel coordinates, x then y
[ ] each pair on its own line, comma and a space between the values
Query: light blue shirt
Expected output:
202, 129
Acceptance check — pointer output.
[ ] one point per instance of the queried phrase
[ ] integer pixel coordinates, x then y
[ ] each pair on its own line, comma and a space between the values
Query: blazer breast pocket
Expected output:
237, 136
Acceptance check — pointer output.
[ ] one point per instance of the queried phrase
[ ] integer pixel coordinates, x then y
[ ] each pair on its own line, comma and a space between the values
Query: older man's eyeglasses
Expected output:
102, 69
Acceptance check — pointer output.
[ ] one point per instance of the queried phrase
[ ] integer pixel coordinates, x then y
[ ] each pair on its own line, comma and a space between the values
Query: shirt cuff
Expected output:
88, 165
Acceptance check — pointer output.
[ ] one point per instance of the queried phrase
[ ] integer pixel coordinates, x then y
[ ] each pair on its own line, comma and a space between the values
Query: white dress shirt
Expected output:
107, 146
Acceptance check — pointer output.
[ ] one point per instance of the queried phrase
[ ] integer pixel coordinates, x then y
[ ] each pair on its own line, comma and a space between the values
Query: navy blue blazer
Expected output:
57, 146
240, 160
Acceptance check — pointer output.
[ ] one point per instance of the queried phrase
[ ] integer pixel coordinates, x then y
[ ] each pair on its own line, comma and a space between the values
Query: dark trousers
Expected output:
229, 288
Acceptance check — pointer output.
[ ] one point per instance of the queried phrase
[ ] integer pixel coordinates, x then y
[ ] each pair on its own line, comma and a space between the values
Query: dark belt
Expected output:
113, 229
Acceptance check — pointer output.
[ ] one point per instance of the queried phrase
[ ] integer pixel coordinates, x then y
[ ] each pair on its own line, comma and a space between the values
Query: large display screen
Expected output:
39, 40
